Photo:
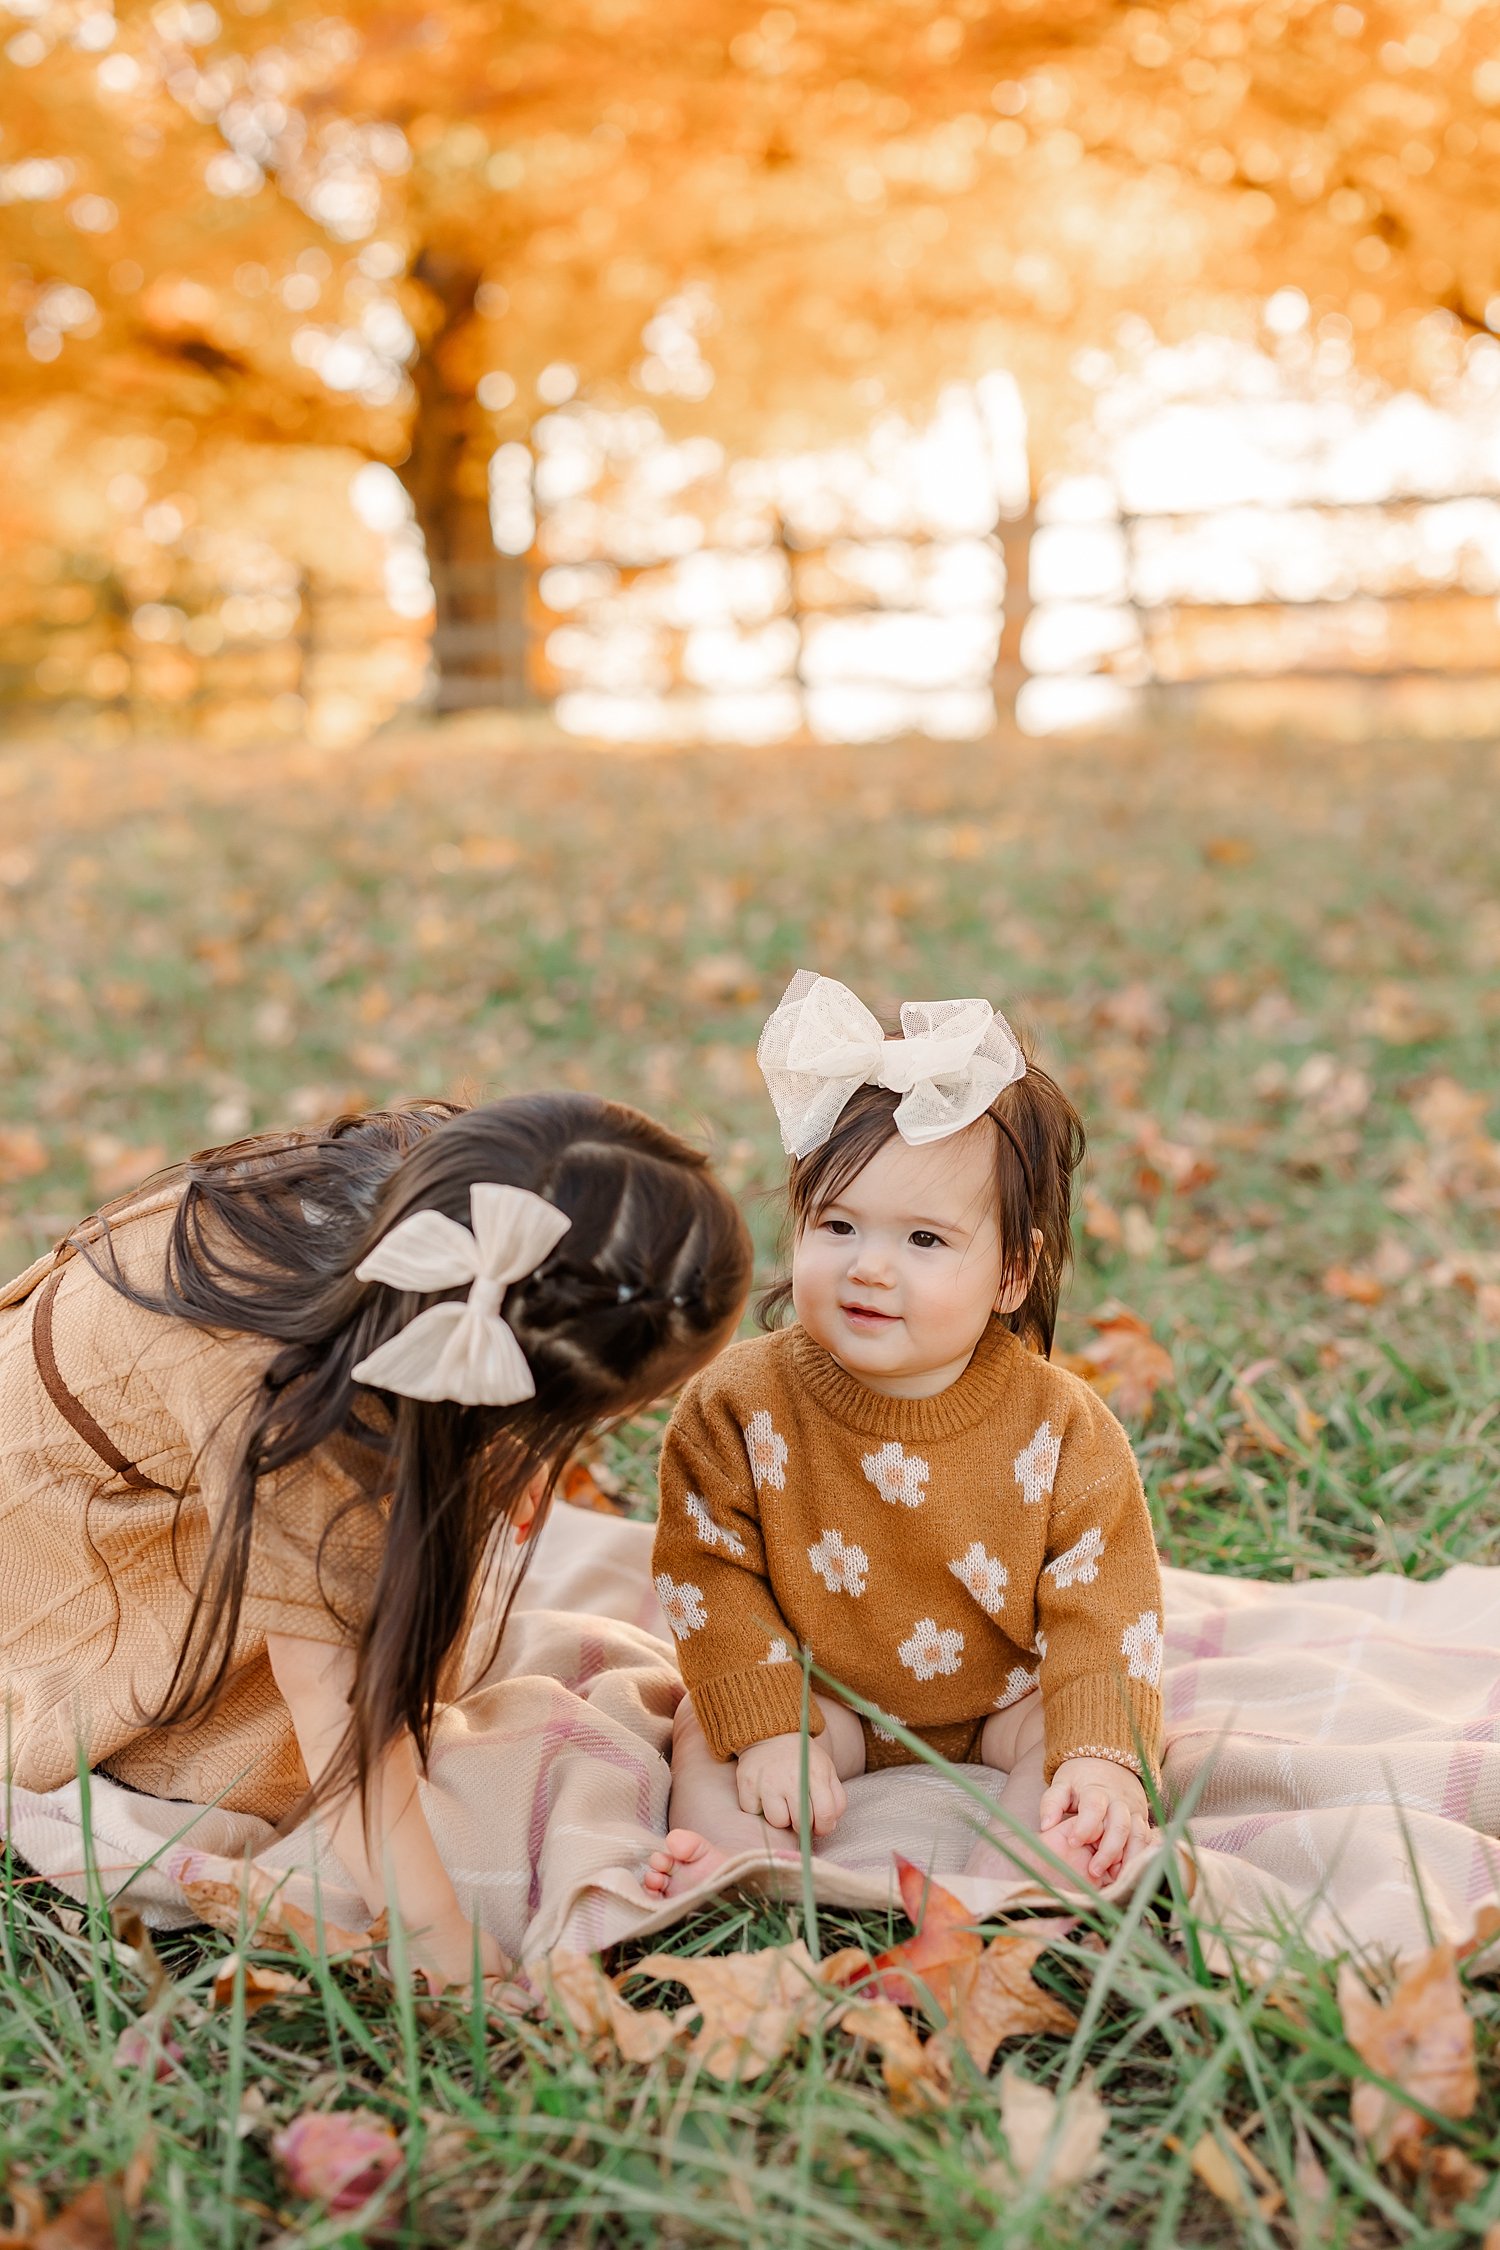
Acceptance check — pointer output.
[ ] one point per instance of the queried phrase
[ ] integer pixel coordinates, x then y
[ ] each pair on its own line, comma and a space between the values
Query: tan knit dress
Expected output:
94, 1592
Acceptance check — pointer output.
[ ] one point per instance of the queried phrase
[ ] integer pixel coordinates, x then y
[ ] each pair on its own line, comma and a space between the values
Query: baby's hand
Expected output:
768, 1777
1094, 1815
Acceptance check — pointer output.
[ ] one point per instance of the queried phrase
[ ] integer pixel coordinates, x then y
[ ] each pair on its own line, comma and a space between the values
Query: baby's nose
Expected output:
870, 1264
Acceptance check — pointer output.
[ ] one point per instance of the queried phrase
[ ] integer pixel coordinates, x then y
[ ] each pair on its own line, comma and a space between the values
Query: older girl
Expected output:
263, 1428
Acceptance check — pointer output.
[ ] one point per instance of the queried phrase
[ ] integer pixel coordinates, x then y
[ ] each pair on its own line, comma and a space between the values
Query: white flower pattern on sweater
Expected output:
1018, 1682
777, 1653
1080, 1565
898, 1476
712, 1534
682, 1605
1143, 1648
842, 1567
985, 1576
1036, 1465
767, 1449
928, 1651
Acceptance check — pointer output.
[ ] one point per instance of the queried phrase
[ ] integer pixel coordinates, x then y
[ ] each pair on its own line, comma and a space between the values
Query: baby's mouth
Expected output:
867, 1315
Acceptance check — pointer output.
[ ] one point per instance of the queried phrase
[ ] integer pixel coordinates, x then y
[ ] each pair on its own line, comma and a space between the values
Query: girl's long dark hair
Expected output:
649, 1278
1039, 1145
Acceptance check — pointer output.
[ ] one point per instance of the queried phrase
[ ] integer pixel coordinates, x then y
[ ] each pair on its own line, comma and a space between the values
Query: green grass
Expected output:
1264, 957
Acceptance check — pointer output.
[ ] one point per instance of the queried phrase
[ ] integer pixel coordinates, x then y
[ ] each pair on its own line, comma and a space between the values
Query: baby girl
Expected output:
900, 1482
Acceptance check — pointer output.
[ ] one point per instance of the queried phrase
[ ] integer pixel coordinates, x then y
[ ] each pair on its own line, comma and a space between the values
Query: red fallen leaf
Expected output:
996, 1997
945, 1936
339, 2157
583, 1484
1124, 1363
263, 1985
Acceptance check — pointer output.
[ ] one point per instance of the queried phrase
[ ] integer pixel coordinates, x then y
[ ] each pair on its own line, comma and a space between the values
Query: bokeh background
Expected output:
523, 526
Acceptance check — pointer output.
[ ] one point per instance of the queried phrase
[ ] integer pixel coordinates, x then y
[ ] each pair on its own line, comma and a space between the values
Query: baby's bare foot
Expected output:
1006, 1862
682, 1859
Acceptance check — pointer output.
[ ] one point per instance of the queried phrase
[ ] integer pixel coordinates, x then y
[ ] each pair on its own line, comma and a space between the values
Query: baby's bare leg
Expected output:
1013, 1743
705, 1824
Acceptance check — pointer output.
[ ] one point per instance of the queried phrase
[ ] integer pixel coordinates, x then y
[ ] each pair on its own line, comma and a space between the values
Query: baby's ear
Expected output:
1014, 1285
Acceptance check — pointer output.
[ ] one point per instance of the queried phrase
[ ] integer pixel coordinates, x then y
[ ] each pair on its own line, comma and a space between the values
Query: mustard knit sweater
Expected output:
937, 1556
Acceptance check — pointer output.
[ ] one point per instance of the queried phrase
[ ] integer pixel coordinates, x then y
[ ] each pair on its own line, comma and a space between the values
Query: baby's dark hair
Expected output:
1039, 1145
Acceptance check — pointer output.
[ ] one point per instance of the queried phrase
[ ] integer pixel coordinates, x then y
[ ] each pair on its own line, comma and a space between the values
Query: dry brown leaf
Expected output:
89, 2221
262, 1985
1421, 2039
945, 1938
1137, 1010
751, 2005
1124, 1363
1031, 2115
1355, 1284
337, 2157
23, 1153
585, 1997
996, 1998
1101, 1221
1228, 851
1483, 1935
723, 979
917, 2076
586, 1484
1248, 1409
1310, 2178
257, 1903
114, 1168
147, 2045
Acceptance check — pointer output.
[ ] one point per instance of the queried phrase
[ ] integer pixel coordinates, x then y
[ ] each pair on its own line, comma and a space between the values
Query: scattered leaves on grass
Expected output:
263, 1985
751, 2005
1422, 2040
338, 2157
1053, 2145
1213, 2164
1124, 1363
258, 1903
581, 1993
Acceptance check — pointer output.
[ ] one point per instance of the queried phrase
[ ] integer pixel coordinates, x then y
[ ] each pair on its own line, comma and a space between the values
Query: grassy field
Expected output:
1268, 976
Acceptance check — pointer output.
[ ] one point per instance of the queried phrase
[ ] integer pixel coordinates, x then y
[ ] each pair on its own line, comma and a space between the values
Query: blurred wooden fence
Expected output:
202, 658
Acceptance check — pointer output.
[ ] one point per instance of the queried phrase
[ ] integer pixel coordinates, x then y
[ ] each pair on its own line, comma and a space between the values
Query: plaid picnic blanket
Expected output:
1332, 1761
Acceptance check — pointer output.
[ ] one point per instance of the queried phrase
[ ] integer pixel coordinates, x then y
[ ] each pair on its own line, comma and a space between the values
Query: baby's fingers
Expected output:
1110, 1851
1057, 1803
1092, 1816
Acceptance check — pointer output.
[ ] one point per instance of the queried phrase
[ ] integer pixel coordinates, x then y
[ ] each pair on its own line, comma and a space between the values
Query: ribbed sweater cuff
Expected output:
738, 1708
1104, 1718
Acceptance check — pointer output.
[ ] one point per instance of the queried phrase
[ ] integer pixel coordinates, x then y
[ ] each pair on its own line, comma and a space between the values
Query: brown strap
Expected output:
72, 1409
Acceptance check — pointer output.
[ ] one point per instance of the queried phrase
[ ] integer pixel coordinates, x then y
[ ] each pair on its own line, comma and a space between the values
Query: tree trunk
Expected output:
480, 639
1014, 534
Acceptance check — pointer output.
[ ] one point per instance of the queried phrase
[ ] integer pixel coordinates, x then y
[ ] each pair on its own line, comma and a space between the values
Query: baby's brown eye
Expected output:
925, 1239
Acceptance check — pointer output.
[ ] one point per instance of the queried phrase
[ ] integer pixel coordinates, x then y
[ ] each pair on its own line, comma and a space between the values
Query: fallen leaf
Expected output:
586, 1484
996, 1998
1243, 1399
146, 2045
1137, 1010
723, 979
751, 2005
1124, 1363
944, 1937
917, 2075
262, 1985
23, 1153
1355, 1284
1031, 2118
89, 2221
1423, 2040
1308, 2176
1483, 1935
1138, 1234
114, 1167
1335, 1092
338, 2157
1101, 1221
1211, 2164
585, 1997
257, 1903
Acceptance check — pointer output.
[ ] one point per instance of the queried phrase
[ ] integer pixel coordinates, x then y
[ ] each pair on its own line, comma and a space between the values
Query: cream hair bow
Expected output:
822, 1044
463, 1352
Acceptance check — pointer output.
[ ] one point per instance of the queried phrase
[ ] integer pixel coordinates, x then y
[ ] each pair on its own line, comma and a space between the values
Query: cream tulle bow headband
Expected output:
462, 1352
822, 1045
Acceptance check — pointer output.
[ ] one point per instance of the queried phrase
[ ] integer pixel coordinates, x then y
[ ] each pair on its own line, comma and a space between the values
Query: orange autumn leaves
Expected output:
747, 2009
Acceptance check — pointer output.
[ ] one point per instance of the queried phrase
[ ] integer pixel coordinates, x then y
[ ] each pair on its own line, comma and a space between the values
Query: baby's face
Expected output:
899, 1277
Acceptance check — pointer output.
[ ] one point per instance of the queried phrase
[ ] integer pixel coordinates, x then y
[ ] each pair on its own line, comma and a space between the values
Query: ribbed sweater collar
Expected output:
948, 1413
